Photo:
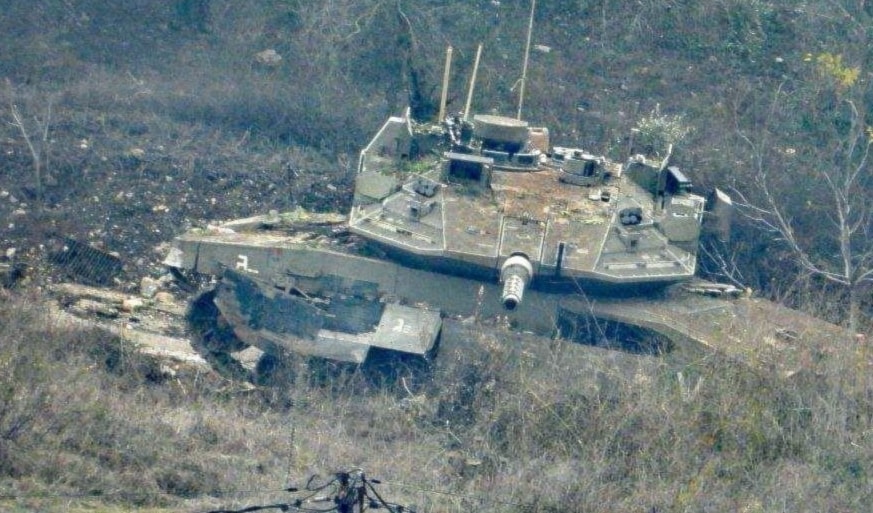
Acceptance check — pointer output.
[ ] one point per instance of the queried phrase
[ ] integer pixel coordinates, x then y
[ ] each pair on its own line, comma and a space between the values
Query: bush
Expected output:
657, 132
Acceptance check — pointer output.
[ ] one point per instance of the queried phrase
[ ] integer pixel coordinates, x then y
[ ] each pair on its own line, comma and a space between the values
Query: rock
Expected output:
12, 274
136, 153
269, 57
164, 297
131, 304
87, 307
148, 287
167, 371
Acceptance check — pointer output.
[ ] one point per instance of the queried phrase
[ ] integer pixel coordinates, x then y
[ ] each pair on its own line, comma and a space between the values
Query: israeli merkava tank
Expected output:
478, 218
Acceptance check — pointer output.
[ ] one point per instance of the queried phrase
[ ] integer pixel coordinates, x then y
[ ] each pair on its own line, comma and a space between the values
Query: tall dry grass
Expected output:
500, 424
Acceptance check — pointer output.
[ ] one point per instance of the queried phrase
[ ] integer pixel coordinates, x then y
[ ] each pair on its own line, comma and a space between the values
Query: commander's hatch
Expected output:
467, 170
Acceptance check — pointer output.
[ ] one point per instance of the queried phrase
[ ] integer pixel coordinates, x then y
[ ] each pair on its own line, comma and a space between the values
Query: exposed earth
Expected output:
115, 193
127, 191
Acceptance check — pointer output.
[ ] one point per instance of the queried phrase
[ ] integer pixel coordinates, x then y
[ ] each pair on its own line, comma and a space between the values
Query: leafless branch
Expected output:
849, 213
726, 265
38, 149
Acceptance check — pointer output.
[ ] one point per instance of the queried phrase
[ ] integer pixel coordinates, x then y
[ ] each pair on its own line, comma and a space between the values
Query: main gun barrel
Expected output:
515, 275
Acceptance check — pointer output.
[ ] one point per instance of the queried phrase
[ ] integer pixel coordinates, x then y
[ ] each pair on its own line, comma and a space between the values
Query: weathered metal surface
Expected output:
697, 321
495, 227
506, 197
750, 331
342, 322
87, 264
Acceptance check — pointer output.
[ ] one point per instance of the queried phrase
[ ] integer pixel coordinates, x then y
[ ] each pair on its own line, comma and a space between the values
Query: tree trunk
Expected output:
854, 308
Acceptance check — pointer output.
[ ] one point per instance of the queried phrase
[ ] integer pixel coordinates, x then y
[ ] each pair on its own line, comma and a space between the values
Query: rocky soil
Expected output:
127, 189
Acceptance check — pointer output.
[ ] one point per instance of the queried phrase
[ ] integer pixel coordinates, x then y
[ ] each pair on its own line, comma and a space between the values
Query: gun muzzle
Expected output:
515, 275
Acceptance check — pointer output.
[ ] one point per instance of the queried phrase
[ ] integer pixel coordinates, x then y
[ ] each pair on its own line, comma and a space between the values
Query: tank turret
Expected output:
578, 219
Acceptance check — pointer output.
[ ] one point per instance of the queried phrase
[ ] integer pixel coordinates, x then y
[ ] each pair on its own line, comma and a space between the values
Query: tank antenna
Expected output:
533, 6
445, 92
472, 83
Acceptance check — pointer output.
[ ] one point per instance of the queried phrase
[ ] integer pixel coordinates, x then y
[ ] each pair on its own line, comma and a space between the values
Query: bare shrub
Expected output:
35, 133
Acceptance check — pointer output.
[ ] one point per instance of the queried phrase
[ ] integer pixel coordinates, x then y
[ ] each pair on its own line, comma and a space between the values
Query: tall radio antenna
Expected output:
444, 94
533, 7
472, 83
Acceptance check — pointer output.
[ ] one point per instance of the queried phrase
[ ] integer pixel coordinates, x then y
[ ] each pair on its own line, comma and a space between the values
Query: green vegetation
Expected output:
134, 105
656, 133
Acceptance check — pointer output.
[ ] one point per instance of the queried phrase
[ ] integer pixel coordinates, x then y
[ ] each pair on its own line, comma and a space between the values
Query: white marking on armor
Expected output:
398, 328
243, 264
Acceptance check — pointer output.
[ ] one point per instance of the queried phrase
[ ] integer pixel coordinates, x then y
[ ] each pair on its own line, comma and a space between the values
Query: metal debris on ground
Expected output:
87, 264
346, 492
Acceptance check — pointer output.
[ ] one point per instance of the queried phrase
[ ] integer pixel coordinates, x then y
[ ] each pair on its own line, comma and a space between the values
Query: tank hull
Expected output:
391, 306
283, 263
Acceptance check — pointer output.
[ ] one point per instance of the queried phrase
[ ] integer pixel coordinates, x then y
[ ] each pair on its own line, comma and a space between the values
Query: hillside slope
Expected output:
146, 118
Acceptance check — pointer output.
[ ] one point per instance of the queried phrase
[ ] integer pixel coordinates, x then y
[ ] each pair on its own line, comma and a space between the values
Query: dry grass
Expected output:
501, 425
85, 422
